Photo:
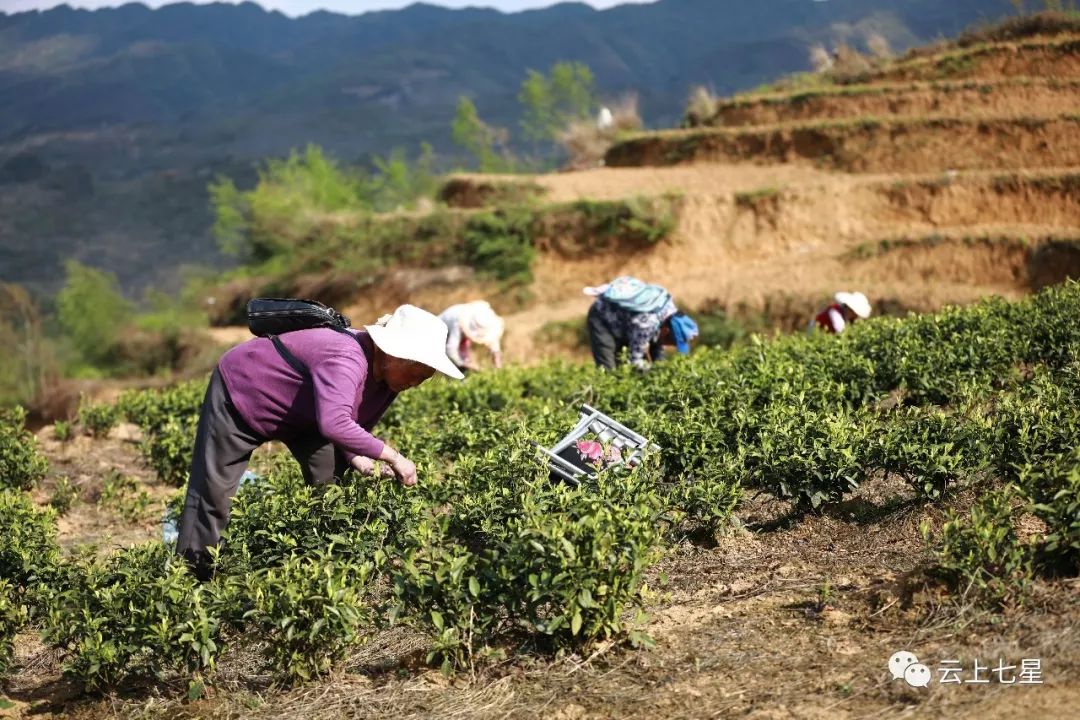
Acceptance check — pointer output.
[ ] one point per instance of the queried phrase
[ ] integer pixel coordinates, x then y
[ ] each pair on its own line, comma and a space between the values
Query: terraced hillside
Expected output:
935, 178
939, 177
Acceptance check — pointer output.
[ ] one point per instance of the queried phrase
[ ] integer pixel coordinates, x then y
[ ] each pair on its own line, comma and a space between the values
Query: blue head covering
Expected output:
684, 329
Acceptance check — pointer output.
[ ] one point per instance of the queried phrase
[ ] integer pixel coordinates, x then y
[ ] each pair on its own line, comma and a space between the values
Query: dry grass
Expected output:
586, 142
700, 108
820, 59
849, 63
878, 46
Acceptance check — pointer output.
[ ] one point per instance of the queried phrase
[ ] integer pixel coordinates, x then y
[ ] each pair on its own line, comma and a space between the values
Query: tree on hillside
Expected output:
396, 183
24, 358
295, 194
91, 311
231, 217
484, 142
550, 103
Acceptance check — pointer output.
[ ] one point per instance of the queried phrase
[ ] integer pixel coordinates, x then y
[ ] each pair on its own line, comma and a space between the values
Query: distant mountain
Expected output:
114, 120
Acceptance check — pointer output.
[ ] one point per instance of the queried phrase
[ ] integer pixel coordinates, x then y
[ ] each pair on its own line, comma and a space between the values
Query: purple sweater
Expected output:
342, 401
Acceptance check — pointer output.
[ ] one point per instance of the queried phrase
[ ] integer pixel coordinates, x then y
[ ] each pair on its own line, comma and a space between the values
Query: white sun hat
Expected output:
482, 325
856, 301
417, 335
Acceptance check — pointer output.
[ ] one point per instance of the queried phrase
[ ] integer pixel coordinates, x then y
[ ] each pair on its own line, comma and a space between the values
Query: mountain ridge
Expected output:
111, 101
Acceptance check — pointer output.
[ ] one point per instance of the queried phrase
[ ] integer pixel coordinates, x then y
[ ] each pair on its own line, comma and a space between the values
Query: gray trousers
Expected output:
603, 343
606, 346
223, 447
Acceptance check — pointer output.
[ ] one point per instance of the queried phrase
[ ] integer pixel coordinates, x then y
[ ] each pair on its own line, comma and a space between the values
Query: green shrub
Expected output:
279, 517
21, 466
151, 410
62, 430
122, 494
13, 618
1060, 550
810, 456
716, 329
933, 450
28, 549
139, 611
65, 494
168, 450
98, 418
91, 311
499, 244
981, 554
1054, 491
309, 611
168, 419
514, 555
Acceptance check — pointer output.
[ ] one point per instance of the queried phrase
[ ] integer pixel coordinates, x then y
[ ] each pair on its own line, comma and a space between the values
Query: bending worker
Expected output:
468, 323
320, 393
845, 309
641, 317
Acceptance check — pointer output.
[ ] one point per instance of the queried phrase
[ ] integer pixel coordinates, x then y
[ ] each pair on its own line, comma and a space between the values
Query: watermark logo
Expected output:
899, 662
904, 665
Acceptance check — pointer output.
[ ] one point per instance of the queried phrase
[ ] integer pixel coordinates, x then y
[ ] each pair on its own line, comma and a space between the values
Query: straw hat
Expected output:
417, 335
856, 301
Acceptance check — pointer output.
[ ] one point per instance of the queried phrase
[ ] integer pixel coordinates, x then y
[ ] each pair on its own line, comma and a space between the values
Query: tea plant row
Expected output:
489, 557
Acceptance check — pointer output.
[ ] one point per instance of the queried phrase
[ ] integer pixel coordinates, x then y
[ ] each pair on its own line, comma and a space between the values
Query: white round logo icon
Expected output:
917, 675
899, 662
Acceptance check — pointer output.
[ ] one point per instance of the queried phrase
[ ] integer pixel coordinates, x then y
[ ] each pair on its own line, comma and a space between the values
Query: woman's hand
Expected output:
403, 467
366, 467
363, 465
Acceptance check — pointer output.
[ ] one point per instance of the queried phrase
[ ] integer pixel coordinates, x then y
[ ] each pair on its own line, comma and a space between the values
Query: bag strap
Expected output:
296, 363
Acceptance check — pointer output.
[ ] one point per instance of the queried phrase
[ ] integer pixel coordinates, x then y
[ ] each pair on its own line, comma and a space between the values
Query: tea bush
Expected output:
13, 618
151, 410
98, 418
281, 517
309, 611
64, 495
981, 553
1054, 493
982, 550
21, 465
934, 450
168, 419
28, 549
168, 450
514, 555
487, 554
139, 611
62, 430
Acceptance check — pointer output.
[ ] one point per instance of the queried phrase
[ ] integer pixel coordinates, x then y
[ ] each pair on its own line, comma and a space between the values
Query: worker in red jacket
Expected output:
845, 309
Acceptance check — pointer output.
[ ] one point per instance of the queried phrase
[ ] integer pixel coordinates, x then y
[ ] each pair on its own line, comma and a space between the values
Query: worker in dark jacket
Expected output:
321, 396
643, 318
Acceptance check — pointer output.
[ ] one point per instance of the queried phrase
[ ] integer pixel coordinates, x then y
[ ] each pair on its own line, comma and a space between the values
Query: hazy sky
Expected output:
300, 7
